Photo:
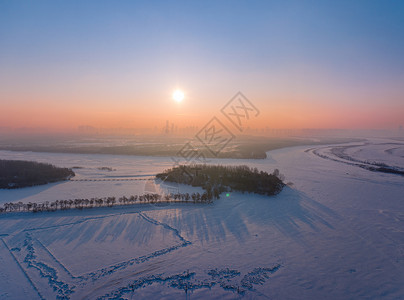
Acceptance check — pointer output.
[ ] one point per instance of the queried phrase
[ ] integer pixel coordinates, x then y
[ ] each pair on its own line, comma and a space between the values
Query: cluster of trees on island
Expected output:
18, 173
84, 203
216, 179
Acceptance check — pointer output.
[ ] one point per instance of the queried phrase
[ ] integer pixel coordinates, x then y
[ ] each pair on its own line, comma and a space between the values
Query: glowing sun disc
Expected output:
178, 95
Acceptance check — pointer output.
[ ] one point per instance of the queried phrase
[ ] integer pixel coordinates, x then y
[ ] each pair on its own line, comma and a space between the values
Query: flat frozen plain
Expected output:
336, 233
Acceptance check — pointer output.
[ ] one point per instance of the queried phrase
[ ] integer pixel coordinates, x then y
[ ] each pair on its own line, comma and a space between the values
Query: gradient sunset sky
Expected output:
304, 64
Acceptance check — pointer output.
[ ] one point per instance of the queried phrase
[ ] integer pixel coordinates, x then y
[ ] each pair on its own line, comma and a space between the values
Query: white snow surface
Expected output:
336, 233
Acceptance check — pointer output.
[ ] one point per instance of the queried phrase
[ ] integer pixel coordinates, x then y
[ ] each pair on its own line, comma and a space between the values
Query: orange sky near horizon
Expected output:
293, 114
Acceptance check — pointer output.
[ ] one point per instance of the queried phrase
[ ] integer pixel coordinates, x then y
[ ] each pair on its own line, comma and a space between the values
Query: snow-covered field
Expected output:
336, 233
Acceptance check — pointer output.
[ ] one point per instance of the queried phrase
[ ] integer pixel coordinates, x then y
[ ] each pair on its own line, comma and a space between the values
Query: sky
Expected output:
303, 64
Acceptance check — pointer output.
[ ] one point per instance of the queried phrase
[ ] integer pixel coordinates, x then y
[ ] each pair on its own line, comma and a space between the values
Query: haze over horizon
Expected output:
105, 64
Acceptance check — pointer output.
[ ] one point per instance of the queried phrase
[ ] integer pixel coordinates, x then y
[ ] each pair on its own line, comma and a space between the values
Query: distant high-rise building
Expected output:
167, 129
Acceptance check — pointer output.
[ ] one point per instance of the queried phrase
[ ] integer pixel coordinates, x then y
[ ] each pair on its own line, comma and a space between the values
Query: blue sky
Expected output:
300, 53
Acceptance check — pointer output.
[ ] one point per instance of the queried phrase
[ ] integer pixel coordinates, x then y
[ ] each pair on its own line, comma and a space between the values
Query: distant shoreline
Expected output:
240, 149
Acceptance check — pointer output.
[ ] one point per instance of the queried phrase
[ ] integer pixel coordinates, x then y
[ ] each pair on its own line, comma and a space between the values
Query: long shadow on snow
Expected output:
290, 212
15, 195
134, 229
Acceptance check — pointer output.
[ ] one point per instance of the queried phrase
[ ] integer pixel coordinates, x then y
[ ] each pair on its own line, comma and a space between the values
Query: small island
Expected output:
216, 179
17, 174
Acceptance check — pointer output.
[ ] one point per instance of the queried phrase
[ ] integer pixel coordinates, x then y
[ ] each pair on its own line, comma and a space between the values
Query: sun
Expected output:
178, 96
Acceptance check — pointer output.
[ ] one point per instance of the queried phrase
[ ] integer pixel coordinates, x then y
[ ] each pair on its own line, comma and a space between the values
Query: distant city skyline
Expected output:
304, 64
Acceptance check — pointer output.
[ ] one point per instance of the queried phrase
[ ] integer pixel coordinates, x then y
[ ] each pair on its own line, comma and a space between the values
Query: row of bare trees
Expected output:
105, 202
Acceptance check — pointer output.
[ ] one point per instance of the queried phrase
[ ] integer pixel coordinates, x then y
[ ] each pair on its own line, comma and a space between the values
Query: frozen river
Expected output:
336, 232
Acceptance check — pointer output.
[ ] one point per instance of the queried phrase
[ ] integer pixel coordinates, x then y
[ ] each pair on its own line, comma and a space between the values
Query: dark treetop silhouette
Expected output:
18, 173
218, 179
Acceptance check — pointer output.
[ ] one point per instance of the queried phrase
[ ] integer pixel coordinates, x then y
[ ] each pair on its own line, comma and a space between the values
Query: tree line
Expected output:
83, 203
